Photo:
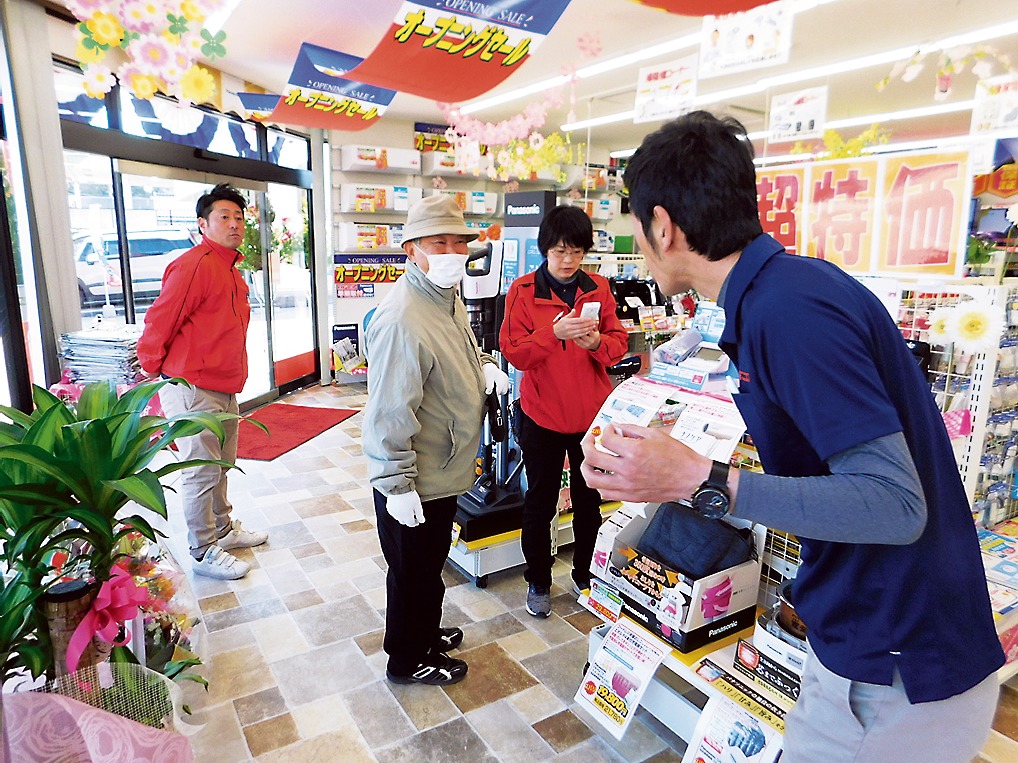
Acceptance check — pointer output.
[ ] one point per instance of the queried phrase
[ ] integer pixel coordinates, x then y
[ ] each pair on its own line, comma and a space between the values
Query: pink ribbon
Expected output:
117, 602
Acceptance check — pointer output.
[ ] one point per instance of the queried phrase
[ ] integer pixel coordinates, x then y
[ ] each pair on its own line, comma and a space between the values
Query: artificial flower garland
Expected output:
949, 63
161, 40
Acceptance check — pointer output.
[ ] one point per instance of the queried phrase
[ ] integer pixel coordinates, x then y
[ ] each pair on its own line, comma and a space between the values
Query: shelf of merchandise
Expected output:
373, 188
479, 558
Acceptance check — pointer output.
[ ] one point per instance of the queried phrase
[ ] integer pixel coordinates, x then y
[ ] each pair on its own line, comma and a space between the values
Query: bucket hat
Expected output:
437, 215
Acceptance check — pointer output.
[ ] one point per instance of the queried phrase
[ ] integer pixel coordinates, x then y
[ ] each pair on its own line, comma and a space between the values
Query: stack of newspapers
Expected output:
102, 352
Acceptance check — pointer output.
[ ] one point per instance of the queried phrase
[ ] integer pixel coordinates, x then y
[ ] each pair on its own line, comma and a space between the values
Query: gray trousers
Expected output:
203, 488
837, 720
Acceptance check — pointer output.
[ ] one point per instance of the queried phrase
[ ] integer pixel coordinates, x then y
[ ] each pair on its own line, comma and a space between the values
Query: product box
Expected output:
754, 663
769, 642
355, 158
368, 236
472, 202
686, 612
378, 198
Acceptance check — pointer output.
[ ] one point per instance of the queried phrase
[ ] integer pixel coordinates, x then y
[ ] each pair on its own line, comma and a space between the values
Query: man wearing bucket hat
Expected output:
427, 381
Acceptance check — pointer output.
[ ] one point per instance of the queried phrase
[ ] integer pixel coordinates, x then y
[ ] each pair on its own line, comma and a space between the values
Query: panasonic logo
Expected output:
722, 629
532, 209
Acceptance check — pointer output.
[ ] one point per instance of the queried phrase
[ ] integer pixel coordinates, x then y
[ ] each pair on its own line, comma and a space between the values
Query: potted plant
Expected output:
67, 472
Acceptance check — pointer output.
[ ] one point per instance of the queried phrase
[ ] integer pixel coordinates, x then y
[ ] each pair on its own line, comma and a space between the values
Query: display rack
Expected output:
481, 557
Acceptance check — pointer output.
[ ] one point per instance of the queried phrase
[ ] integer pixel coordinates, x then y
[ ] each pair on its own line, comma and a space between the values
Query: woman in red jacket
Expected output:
563, 350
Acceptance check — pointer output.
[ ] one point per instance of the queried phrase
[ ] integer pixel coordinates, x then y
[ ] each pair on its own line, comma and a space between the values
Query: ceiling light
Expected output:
670, 46
869, 119
854, 64
597, 121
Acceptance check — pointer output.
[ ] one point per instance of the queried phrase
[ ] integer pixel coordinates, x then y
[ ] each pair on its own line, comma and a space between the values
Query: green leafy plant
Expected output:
21, 646
85, 462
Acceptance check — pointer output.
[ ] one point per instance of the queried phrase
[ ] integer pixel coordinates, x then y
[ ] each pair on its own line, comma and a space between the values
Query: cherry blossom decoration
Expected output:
950, 63
158, 41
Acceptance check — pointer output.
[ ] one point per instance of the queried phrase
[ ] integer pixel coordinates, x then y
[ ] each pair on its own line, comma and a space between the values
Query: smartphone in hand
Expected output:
591, 310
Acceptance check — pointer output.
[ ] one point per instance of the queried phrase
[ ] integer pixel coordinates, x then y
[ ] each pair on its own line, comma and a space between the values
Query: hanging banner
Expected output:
701, 7
891, 215
320, 95
798, 116
741, 41
925, 206
996, 106
842, 212
259, 106
666, 90
779, 193
454, 50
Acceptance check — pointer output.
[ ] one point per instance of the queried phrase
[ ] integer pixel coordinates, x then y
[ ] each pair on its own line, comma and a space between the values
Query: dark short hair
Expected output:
699, 168
222, 192
570, 225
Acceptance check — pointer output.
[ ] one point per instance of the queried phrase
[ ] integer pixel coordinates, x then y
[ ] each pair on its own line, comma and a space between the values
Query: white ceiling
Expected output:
263, 37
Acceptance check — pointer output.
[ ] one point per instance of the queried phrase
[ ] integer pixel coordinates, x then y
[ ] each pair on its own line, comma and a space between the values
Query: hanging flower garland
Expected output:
950, 63
514, 149
161, 40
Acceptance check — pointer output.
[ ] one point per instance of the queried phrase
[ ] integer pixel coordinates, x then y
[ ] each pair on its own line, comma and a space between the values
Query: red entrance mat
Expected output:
289, 426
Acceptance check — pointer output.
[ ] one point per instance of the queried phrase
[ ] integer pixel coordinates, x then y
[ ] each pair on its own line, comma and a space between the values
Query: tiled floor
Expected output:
293, 654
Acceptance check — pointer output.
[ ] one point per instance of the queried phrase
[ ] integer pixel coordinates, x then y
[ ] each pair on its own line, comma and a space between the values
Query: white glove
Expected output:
495, 379
405, 508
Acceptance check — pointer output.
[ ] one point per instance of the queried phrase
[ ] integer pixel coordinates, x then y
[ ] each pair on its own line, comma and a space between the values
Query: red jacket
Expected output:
197, 327
563, 385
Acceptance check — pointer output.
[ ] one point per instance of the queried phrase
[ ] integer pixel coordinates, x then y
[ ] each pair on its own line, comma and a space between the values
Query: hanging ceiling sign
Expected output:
665, 90
798, 116
741, 41
455, 50
702, 7
259, 106
320, 93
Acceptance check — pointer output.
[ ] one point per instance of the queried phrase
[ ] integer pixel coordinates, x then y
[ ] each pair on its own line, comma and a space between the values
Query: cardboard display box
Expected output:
687, 613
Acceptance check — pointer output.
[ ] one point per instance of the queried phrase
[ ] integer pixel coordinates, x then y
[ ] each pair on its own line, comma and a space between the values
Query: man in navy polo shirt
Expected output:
858, 466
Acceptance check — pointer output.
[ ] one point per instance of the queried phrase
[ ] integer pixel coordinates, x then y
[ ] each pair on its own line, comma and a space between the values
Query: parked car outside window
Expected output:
97, 263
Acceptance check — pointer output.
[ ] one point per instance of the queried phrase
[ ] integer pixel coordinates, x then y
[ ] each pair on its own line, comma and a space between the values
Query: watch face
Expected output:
711, 502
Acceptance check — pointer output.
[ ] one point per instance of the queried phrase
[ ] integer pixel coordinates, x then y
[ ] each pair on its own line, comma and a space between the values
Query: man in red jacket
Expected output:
197, 330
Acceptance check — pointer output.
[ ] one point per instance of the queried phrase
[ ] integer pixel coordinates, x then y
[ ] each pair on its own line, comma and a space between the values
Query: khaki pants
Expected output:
203, 488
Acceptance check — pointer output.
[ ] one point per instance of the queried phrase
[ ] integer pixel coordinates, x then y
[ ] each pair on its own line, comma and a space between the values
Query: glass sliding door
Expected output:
294, 346
151, 210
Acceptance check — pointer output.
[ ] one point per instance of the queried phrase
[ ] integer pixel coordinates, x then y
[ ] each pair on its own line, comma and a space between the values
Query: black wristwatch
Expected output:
711, 498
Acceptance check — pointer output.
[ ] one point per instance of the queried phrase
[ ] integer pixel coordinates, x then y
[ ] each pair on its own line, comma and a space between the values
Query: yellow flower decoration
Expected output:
197, 85
978, 326
88, 55
191, 11
105, 29
143, 86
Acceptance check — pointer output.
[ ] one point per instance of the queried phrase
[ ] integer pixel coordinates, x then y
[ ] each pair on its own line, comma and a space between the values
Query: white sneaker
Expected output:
220, 564
238, 537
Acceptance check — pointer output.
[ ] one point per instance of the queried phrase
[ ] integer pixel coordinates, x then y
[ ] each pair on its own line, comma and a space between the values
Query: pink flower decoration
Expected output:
152, 54
589, 44
143, 16
83, 9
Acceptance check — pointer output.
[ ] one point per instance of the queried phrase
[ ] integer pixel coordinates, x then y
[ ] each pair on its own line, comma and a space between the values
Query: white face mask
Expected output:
445, 270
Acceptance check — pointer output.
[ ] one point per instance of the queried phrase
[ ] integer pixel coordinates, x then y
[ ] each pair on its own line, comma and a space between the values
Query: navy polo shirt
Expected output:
823, 368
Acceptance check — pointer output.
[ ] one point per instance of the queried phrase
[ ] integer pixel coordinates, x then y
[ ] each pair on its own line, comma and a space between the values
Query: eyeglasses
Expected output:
562, 253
